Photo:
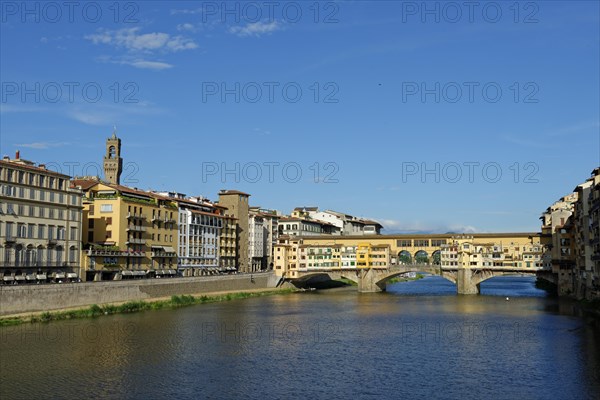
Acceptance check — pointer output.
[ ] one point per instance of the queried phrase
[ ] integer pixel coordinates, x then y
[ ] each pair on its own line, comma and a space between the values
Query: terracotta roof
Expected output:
84, 183
87, 184
207, 213
33, 168
226, 192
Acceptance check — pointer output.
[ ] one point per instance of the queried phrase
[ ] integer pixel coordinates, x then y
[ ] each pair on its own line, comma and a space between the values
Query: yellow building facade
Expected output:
427, 248
127, 233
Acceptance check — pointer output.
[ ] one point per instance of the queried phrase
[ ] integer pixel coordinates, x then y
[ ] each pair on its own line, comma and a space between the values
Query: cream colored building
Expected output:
286, 259
462, 251
315, 257
228, 243
40, 224
127, 233
236, 203
256, 241
294, 254
199, 235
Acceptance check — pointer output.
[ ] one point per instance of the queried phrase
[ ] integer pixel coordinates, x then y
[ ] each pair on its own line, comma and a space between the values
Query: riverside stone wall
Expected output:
16, 299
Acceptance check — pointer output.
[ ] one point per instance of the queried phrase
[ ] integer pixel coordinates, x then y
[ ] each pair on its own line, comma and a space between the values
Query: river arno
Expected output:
417, 341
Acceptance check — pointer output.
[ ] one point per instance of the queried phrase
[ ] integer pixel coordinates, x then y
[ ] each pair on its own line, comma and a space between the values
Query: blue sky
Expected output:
387, 89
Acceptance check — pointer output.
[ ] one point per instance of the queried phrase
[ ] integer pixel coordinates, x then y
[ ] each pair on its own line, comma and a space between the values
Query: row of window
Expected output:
420, 242
38, 211
166, 238
34, 194
303, 227
198, 231
37, 256
200, 240
32, 179
37, 231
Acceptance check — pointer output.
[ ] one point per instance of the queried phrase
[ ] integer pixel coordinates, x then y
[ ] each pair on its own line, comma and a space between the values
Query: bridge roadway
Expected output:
467, 280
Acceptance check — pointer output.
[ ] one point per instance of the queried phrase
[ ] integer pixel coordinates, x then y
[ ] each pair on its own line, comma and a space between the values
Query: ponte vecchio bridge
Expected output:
514, 254
467, 280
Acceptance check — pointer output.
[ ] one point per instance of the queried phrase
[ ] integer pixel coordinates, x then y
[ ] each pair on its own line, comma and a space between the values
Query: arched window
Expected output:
112, 152
404, 257
8, 255
421, 257
29, 255
40, 255
18, 255
59, 255
72, 254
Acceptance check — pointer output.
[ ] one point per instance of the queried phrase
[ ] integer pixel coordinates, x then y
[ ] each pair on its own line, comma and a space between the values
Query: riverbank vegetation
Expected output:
405, 279
95, 310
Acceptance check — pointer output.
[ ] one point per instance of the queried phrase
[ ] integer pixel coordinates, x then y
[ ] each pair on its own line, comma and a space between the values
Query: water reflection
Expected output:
418, 340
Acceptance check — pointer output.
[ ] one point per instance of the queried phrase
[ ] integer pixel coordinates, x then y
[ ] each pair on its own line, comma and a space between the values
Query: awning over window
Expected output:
72, 275
127, 273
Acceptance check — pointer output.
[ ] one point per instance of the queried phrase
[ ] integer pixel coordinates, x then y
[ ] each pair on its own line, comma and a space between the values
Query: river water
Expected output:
416, 341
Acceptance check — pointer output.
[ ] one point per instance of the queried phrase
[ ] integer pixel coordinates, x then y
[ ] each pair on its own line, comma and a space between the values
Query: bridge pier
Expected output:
465, 283
467, 279
367, 281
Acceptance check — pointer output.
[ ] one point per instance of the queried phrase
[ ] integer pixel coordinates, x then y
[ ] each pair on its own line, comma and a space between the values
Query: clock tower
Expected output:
113, 163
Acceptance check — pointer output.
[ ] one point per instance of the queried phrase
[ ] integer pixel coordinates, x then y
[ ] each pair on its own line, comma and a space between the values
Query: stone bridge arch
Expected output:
480, 276
421, 257
318, 276
379, 279
404, 257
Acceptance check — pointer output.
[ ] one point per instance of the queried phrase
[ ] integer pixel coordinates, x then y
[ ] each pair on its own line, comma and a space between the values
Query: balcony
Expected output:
104, 252
136, 228
131, 253
134, 216
40, 264
52, 242
135, 241
10, 240
156, 254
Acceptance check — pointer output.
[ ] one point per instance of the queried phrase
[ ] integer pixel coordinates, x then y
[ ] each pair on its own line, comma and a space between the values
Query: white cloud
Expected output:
261, 132
42, 145
256, 29
154, 65
131, 40
186, 11
187, 27
136, 62
9, 108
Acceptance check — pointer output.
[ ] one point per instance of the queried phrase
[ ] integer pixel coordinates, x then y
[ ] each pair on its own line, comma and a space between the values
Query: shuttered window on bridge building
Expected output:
437, 242
404, 243
421, 242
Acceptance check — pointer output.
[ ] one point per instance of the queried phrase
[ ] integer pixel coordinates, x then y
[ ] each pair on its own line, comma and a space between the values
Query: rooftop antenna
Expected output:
114, 135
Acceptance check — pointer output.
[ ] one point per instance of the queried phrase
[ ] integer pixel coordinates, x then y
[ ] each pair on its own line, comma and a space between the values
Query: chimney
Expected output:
17, 156
42, 166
